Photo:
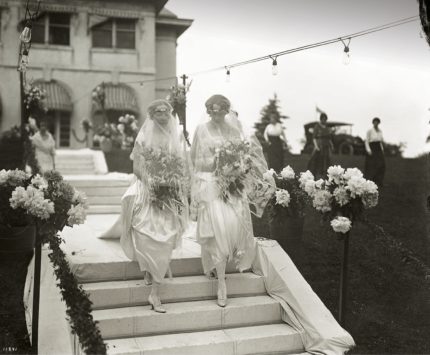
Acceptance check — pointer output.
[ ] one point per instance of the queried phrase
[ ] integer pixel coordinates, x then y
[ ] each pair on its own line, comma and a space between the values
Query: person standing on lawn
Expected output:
374, 168
274, 135
323, 146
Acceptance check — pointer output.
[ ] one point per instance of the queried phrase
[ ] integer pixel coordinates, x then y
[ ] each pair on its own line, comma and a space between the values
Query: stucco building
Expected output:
79, 44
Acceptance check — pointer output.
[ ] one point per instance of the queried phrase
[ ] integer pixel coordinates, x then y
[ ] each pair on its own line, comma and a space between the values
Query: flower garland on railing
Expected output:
70, 206
77, 301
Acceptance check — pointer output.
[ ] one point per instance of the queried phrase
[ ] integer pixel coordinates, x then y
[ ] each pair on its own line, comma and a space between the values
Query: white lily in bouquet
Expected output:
343, 197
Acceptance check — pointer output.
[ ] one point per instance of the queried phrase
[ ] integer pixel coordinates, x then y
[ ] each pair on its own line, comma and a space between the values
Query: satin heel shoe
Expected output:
156, 305
222, 296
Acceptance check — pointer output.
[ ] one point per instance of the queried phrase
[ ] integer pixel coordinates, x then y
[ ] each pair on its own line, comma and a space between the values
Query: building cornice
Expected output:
178, 24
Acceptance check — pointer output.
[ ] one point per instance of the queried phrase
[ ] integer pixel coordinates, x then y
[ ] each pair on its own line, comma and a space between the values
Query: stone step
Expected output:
74, 158
103, 200
187, 317
104, 209
100, 191
263, 339
89, 180
75, 170
187, 288
88, 271
72, 167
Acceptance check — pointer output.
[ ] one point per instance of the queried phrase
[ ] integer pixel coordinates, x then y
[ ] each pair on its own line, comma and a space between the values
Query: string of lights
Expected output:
345, 40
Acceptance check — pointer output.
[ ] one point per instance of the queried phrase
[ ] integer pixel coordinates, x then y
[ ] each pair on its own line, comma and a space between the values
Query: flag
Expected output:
318, 109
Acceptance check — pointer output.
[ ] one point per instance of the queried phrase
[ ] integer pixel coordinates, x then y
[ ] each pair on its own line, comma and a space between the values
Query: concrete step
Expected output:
99, 271
101, 191
263, 339
72, 167
74, 158
104, 209
90, 181
187, 317
103, 200
73, 171
135, 292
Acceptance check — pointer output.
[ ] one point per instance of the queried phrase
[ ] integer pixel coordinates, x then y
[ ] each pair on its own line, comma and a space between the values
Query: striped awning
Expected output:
57, 97
120, 97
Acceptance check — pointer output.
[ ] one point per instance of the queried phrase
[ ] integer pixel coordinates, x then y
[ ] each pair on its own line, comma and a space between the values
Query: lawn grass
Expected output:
389, 299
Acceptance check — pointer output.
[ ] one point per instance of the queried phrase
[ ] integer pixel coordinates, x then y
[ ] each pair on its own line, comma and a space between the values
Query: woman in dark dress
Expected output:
274, 135
374, 168
320, 159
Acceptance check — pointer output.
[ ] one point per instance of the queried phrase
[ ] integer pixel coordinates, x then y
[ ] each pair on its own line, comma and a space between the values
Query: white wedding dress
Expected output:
149, 234
224, 228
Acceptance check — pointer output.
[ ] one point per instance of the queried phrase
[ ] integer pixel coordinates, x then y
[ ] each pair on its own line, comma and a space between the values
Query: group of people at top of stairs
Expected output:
374, 168
157, 207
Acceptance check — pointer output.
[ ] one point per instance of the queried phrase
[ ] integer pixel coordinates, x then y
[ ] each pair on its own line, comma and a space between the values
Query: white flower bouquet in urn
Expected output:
343, 197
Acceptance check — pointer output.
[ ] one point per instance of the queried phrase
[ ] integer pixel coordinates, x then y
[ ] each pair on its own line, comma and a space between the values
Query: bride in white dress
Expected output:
224, 227
151, 229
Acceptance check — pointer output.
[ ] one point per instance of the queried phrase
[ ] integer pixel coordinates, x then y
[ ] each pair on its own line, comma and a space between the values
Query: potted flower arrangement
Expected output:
128, 130
30, 202
34, 99
108, 137
116, 142
287, 209
342, 198
178, 99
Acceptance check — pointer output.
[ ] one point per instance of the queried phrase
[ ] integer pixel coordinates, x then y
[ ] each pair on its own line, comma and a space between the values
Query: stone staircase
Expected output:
76, 162
103, 192
252, 322
194, 324
288, 321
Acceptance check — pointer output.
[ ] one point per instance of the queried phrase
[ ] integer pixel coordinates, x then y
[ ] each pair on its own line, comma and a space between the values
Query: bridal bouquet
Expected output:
166, 177
289, 199
233, 162
342, 197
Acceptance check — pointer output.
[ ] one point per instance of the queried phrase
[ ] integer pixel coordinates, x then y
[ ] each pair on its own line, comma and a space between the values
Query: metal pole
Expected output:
184, 82
36, 295
344, 280
23, 118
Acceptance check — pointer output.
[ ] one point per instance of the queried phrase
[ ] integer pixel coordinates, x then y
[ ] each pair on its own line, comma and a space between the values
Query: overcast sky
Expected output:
388, 75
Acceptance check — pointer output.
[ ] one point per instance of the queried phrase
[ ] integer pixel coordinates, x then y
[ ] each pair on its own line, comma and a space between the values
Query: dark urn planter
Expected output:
16, 252
17, 239
118, 160
11, 153
289, 234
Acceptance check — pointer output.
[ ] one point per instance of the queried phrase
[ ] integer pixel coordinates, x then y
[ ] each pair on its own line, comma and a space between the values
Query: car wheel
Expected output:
346, 149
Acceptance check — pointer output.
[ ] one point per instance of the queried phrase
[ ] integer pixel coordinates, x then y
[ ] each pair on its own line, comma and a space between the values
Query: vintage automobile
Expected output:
343, 141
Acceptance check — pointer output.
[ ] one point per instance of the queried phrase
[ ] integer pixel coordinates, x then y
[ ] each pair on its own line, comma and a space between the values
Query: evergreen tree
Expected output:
271, 108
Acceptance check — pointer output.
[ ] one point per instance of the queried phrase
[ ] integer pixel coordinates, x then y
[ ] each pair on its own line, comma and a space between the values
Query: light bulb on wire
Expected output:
346, 59
274, 66
25, 36
227, 76
346, 56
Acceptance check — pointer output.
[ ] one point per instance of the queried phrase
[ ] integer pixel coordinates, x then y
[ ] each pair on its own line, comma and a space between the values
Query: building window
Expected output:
52, 28
115, 33
59, 126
